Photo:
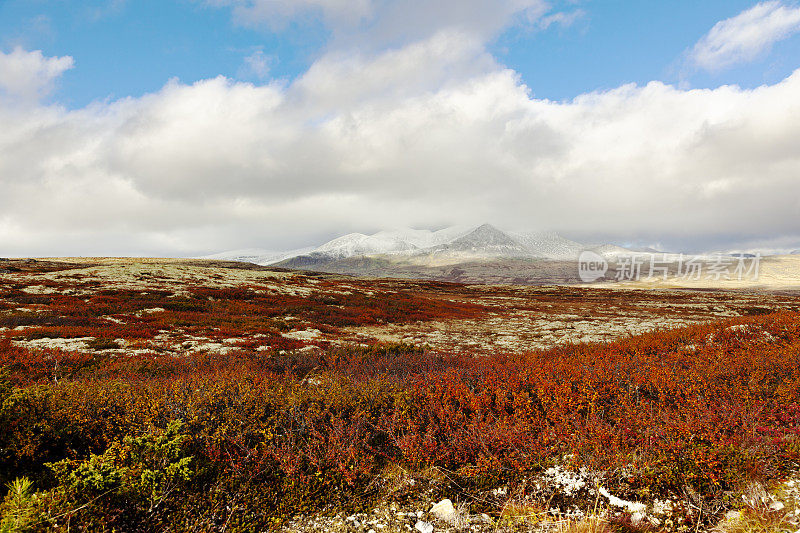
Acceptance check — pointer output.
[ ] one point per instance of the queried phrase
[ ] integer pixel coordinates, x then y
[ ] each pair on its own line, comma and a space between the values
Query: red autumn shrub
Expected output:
705, 406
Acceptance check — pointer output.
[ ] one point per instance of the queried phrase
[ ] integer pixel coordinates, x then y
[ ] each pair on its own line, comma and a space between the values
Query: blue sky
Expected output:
128, 48
194, 126
622, 42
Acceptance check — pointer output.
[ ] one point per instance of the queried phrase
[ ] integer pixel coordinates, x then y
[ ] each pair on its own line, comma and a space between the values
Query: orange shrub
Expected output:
705, 406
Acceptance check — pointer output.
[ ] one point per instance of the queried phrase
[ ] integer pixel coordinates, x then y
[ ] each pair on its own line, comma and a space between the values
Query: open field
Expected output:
774, 272
141, 303
207, 395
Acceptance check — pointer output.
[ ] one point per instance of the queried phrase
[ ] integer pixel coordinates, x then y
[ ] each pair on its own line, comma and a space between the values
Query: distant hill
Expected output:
423, 247
464, 254
471, 254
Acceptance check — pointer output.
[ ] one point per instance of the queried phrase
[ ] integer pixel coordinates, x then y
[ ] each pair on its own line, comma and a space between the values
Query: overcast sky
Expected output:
187, 127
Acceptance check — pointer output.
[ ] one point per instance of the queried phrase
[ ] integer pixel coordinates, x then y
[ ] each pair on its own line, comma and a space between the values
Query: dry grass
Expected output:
526, 517
764, 512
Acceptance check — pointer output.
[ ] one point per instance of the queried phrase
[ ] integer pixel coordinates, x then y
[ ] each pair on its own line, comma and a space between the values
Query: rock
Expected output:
444, 510
776, 506
423, 527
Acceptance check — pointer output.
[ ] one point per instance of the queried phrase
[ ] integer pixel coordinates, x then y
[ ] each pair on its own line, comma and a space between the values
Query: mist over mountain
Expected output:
453, 244
467, 254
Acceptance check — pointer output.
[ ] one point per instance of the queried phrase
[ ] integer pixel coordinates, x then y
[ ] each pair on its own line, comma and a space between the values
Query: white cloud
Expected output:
257, 64
29, 75
564, 19
373, 24
107, 8
746, 36
276, 13
423, 135
342, 80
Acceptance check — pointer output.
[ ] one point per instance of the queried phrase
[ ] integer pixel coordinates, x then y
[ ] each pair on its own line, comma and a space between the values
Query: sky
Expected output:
185, 127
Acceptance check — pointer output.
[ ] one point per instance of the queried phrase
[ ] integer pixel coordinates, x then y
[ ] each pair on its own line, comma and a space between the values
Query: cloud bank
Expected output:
430, 133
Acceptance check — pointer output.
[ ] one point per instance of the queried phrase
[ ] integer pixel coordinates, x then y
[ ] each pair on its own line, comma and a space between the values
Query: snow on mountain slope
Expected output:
482, 242
448, 245
549, 244
360, 244
388, 242
422, 238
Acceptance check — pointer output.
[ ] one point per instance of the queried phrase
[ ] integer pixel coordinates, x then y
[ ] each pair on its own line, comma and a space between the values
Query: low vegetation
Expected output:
250, 439
661, 431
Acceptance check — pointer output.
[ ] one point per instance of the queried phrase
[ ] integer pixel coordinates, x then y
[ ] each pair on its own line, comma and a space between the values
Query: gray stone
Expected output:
444, 510
423, 527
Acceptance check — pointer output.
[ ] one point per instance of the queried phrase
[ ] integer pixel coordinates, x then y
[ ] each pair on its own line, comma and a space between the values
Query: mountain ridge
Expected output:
452, 244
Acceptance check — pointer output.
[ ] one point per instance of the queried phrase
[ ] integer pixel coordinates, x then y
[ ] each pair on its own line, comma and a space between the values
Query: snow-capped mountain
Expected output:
483, 242
360, 244
445, 246
463, 254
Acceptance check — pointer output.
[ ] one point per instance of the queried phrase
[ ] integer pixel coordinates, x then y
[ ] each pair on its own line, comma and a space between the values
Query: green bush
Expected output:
18, 509
129, 483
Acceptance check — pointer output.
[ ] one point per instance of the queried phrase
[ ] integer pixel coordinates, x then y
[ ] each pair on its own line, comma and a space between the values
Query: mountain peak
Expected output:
486, 234
454, 244
486, 241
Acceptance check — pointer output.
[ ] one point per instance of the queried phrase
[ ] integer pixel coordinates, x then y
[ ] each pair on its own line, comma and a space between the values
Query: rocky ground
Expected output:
762, 509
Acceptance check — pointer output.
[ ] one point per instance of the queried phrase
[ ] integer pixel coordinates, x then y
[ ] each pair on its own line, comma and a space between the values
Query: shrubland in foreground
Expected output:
663, 430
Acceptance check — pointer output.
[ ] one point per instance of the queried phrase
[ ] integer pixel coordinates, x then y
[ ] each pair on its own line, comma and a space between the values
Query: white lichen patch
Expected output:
303, 335
39, 289
565, 481
73, 344
524, 330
